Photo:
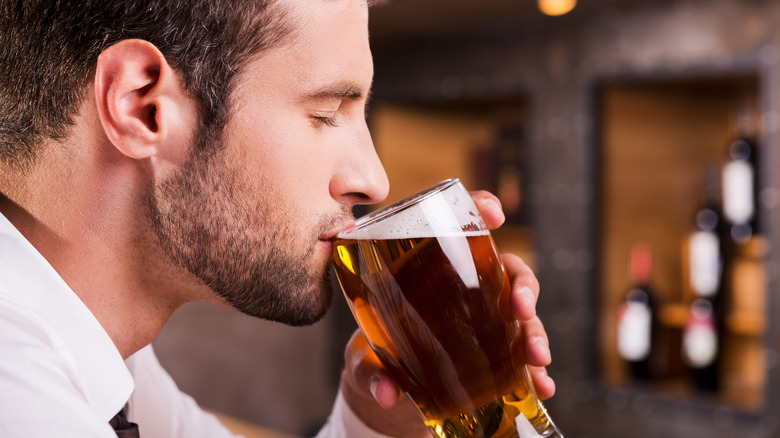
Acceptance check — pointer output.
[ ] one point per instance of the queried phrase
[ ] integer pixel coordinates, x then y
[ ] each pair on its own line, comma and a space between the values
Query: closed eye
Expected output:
338, 92
328, 121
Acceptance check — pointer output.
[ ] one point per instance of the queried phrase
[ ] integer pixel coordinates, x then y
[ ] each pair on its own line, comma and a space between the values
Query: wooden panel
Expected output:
420, 147
654, 147
658, 141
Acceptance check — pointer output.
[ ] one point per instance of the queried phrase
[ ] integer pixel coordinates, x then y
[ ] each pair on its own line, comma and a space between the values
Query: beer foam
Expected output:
407, 229
448, 213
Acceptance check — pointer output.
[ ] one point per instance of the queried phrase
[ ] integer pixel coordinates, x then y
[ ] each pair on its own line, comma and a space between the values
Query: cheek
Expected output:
286, 157
296, 173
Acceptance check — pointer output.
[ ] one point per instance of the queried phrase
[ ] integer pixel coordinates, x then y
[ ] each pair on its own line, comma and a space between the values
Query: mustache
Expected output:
334, 221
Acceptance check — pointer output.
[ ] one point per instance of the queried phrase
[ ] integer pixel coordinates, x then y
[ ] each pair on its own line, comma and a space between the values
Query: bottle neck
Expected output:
641, 265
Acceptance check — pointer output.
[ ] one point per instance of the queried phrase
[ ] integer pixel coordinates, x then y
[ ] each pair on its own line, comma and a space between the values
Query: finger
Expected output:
384, 389
374, 396
364, 373
543, 383
537, 345
489, 208
524, 287
531, 346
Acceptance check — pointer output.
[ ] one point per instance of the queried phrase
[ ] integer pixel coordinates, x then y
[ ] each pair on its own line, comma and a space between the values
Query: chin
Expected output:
295, 303
321, 300
310, 312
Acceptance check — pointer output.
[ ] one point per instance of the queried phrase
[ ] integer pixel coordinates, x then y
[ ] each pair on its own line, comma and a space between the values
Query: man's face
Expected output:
253, 219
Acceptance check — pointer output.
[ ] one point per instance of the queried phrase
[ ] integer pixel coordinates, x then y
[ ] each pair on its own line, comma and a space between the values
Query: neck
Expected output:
92, 227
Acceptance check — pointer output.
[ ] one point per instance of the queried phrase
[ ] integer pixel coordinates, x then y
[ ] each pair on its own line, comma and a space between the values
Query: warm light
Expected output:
345, 258
556, 7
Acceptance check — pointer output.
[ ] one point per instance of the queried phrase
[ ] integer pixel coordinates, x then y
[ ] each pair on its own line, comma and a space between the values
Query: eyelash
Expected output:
324, 121
332, 121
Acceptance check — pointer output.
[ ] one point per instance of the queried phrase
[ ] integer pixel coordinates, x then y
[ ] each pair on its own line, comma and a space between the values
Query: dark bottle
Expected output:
740, 177
706, 254
701, 345
705, 244
636, 318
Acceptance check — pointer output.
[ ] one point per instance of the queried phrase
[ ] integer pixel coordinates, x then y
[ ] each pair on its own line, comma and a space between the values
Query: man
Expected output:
154, 153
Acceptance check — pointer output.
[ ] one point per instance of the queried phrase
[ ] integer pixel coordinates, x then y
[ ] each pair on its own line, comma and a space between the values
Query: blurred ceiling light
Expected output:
556, 7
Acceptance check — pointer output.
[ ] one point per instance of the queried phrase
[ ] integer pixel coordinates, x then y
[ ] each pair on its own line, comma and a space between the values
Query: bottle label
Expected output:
738, 192
700, 343
634, 331
704, 263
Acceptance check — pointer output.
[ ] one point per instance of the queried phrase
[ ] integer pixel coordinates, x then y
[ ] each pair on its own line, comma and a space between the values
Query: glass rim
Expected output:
403, 204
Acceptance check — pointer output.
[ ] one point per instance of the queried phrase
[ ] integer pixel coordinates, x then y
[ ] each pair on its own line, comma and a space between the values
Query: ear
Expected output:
142, 104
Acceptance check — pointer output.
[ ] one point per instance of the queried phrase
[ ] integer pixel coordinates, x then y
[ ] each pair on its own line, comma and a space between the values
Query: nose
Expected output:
361, 177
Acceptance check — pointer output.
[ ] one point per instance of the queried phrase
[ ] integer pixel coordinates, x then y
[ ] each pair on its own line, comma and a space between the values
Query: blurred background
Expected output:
634, 145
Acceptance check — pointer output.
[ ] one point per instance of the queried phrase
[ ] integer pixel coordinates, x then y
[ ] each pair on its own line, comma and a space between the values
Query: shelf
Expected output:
657, 139
740, 322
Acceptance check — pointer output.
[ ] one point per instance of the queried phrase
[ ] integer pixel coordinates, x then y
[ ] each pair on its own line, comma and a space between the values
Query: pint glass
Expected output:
426, 285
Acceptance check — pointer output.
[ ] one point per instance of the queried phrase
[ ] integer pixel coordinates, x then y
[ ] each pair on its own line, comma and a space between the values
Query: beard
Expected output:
242, 247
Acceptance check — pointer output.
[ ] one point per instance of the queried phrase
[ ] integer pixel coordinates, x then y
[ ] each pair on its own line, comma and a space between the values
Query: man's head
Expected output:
49, 48
278, 155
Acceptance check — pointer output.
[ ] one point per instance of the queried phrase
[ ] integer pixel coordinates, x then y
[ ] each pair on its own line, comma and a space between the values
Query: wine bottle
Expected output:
705, 254
739, 189
636, 318
704, 243
740, 175
701, 345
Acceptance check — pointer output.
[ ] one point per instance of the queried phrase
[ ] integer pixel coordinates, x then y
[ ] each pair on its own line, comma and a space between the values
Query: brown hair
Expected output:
49, 48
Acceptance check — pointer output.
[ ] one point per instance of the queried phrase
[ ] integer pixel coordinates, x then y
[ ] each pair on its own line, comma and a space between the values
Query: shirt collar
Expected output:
29, 280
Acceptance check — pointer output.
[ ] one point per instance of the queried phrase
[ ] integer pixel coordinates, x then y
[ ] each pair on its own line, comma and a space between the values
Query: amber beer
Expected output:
436, 312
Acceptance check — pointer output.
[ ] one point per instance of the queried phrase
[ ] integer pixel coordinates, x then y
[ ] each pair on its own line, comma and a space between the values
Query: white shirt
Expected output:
62, 376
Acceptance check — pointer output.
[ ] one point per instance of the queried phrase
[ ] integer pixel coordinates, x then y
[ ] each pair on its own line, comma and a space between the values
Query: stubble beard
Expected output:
243, 247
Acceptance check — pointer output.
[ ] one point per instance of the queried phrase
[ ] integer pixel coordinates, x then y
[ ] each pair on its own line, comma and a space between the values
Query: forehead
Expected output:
328, 42
335, 28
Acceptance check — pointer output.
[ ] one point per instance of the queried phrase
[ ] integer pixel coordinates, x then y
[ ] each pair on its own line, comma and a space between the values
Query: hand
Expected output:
533, 345
375, 397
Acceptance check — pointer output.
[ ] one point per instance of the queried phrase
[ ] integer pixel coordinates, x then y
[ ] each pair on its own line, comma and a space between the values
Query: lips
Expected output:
331, 234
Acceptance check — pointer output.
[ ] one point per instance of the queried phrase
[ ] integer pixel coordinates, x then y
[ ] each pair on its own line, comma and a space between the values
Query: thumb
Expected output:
374, 396
364, 377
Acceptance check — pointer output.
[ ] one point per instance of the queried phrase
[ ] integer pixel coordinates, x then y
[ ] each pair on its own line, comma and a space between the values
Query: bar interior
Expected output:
634, 146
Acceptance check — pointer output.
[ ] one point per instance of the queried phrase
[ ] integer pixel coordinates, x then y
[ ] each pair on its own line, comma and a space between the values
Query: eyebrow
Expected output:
340, 90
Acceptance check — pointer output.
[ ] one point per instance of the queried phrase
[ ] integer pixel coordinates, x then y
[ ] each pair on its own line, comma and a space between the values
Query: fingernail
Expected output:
373, 386
528, 298
542, 348
492, 202
496, 206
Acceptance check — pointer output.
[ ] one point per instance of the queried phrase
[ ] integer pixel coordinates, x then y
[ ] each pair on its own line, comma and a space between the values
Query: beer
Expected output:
436, 312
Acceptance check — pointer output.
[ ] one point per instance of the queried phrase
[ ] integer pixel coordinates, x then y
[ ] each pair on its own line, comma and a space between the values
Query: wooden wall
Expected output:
658, 141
